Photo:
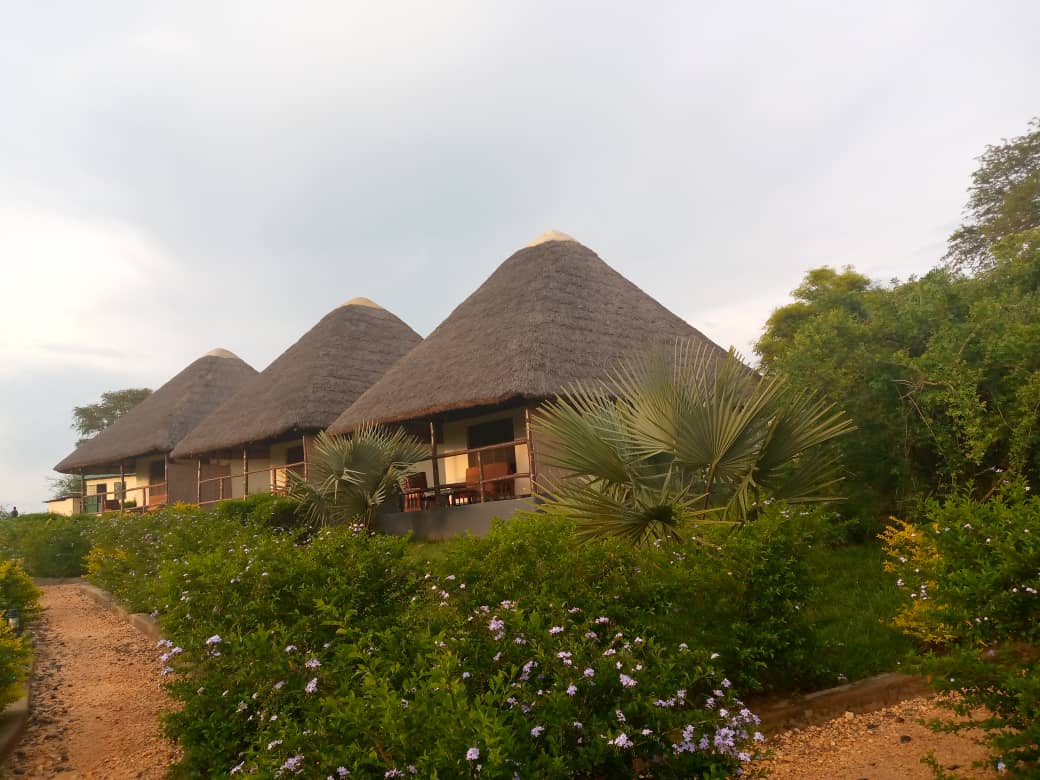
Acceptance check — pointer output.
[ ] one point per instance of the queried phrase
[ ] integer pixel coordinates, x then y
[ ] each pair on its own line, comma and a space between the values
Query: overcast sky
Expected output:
177, 177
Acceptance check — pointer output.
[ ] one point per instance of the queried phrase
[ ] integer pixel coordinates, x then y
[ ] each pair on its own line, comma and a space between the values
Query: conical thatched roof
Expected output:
552, 314
311, 383
167, 415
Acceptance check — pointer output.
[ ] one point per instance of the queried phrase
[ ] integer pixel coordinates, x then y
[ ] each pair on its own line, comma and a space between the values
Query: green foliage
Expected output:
353, 476
15, 660
264, 509
17, 591
1004, 200
851, 613
48, 545
397, 646
17, 594
675, 437
737, 592
971, 579
91, 419
131, 549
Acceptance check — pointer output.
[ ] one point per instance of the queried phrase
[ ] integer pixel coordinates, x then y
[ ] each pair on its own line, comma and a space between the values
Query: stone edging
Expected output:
15, 717
867, 695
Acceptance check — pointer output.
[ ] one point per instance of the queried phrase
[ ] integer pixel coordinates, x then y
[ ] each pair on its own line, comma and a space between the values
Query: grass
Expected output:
856, 602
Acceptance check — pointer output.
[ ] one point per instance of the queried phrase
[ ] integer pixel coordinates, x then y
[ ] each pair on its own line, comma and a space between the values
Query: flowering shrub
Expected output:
972, 581
515, 654
318, 665
740, 592
130, 549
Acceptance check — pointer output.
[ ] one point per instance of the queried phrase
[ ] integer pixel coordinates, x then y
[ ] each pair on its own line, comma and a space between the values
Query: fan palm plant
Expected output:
688, 435
353, 476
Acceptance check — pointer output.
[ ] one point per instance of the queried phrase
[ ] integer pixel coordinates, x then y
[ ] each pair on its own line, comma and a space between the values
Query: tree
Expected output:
90, 420
351, 477
689, 436
1004, 199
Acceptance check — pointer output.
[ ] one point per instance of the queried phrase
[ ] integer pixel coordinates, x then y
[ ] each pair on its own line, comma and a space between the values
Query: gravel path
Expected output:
96, 697
884, 745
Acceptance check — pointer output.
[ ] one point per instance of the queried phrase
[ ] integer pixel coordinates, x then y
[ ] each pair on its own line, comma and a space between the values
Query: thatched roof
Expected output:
311, 383
552, 314
167, 415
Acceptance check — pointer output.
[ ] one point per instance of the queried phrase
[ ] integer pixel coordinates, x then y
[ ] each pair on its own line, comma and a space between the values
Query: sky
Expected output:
179, 177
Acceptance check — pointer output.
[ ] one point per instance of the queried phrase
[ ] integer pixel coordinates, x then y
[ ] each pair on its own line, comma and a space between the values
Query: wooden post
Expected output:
303, 441
480, 475
245, 471
165, 478
530, 446
122, 487
433, 462
198, 481
82, 491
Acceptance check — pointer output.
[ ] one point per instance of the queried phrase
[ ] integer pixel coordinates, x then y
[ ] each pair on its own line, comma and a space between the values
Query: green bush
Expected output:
971, 576
737, 592
48, 545
17, 594
263, 509
295, 653
131, 549
307, 658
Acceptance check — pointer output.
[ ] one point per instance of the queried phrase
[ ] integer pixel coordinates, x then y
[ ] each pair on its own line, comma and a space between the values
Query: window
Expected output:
294, 455
487, 434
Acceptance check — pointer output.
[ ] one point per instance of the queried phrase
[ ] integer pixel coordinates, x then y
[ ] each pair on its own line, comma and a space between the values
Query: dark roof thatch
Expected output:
311, 383
552, 314
167, 415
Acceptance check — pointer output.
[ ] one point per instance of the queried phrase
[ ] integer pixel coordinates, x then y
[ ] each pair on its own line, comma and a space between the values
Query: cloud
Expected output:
72, 284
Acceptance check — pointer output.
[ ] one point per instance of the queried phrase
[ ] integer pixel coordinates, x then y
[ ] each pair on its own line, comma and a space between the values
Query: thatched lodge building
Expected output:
140, 442
551, 315
247, 444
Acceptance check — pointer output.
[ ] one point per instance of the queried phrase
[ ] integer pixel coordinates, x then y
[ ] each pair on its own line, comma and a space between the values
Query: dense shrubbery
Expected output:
296, 653
972, 579
740, 592
130, 550
48, 545
19, 600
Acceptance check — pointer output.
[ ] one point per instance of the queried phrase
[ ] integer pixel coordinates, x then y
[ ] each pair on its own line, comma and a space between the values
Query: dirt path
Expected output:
96, 697
883, 745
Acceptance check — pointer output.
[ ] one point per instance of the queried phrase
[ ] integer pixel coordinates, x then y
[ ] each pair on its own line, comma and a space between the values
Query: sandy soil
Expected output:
884, 745
96, 697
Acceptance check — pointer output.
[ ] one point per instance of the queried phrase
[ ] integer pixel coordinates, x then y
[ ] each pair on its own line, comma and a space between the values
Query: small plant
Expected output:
971, 578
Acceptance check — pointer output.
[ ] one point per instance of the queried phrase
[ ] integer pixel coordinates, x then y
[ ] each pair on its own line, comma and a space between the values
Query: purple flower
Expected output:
627, 681
590, 672
312, 663
293, 764
621, 741
273, 744
290, 648
537, 731
342, 771
312, 686
556, 630
214, 640
572, 689
473, 754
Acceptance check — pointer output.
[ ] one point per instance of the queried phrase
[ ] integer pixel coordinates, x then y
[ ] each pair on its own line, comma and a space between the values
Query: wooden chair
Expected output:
500, 488
470, 493
412, 488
